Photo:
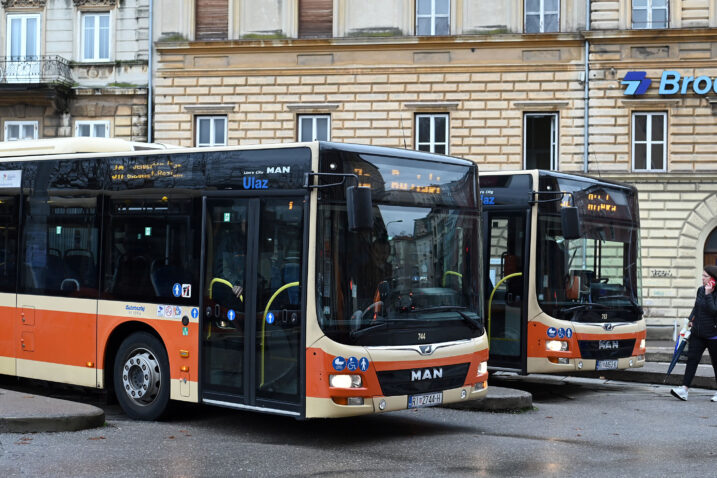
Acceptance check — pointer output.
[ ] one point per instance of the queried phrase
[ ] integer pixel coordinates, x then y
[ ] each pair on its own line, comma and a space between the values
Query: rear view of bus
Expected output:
398, 305
563, 272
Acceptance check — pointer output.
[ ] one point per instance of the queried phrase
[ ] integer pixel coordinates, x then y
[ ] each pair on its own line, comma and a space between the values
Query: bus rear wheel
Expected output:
141, 377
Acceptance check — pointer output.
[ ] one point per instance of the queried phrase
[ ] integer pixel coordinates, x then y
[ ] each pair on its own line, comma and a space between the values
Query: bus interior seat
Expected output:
164, 276
80, 265
133, 273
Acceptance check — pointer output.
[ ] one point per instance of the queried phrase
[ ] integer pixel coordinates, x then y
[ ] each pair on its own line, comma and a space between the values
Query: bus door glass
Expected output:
505, 254
253, 269
225, 301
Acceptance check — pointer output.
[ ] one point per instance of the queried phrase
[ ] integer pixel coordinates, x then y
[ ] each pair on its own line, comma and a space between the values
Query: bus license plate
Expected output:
606, 365
425, 400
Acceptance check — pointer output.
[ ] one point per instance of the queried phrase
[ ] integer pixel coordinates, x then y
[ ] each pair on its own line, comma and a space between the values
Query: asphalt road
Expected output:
579, 427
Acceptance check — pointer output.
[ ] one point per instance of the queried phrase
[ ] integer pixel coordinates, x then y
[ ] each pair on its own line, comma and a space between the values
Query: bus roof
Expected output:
40, 147
560, 175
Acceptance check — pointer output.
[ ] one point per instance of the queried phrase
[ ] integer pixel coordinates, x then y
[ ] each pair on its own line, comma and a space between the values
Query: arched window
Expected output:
710, 256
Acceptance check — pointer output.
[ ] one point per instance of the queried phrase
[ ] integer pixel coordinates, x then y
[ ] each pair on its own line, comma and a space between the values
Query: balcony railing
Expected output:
35, 69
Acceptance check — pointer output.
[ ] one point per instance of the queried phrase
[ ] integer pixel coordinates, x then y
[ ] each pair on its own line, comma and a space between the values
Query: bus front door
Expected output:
253, 311
505, 293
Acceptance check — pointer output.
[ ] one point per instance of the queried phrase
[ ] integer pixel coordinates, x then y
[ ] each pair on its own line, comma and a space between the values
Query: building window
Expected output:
314, 128
542, 16
649, 13
540, 144
18, 130
92, 129
95, 36
432, 133
649, 148
211, 130
433, 17
23, 37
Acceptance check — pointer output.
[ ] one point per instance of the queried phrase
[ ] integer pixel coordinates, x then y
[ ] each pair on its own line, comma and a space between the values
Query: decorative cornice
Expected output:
312, 106
23, 3
541, 105
95, 3
431, 105
215, 108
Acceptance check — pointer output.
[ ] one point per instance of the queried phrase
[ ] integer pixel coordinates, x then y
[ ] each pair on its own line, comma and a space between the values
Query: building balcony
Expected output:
35, 70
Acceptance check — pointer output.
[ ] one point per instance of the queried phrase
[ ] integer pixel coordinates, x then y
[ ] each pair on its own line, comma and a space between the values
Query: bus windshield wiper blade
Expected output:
583, 306
454, 308
365, 330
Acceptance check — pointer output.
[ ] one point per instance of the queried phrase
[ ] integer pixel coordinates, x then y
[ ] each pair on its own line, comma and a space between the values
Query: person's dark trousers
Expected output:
695, 350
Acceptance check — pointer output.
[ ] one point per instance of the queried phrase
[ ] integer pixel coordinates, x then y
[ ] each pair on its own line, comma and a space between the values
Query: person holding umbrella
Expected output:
703, 323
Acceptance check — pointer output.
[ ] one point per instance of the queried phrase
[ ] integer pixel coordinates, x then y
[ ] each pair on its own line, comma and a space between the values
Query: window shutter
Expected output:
212, 18
316, 18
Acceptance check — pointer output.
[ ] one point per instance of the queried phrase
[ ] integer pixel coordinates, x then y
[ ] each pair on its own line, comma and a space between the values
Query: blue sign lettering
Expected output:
251, 182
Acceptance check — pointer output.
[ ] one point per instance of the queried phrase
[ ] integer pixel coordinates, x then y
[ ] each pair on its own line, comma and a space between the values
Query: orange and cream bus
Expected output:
309, 280
561, 273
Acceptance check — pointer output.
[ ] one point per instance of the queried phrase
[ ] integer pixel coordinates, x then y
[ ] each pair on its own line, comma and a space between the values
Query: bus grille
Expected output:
592, 349
432, 379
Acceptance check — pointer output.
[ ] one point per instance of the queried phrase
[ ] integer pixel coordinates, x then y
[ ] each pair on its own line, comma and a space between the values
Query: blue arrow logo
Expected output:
636, 83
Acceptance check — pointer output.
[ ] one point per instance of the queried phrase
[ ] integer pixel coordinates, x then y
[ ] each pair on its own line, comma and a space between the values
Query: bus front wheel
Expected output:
141, 376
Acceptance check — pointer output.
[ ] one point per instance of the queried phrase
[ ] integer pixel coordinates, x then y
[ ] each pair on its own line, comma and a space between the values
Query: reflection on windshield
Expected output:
417, 266
592, 279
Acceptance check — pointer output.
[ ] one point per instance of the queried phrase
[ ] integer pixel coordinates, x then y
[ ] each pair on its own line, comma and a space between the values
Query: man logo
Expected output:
636, 83
426, 374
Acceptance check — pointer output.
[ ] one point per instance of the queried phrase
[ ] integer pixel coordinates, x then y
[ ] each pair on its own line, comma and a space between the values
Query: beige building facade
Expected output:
74, 68
508, 85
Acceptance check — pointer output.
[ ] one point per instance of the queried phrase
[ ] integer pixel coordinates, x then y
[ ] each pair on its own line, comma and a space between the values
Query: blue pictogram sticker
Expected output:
363, 364
569, 333
231, 315
352, 364
552, 332
561, 332
339, 363
177, 290
195, 313
270, 318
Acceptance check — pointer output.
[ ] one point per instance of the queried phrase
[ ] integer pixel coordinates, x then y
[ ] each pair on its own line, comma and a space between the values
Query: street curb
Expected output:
644, 376
498, 399
29, 413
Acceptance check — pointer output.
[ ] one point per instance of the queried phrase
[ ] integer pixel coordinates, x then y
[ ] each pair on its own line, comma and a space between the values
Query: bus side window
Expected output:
150, 247
8, 242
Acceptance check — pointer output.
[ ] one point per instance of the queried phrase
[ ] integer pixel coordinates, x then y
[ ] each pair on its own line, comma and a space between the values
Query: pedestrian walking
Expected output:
703, 323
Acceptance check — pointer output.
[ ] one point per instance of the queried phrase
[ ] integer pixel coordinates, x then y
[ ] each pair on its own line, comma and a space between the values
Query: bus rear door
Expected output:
253, 303
505, 264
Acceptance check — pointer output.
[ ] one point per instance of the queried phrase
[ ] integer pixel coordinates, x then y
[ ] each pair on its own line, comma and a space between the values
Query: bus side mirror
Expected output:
359, 208
570, 221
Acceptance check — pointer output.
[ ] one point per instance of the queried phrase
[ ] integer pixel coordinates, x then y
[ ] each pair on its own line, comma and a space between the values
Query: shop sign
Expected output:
671, 83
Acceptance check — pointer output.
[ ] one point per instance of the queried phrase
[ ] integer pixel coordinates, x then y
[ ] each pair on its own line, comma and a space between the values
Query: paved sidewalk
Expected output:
22, 412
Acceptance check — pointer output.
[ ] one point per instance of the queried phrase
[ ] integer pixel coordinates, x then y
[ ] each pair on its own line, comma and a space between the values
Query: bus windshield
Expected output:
595, 278
413, 278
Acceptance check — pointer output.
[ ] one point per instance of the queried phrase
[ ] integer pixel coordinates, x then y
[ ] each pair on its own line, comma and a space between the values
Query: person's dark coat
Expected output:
704, 314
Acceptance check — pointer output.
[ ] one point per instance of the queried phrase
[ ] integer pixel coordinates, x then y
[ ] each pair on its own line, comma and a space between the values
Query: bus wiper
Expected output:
630, 299
360, 332
583, 306
458, 310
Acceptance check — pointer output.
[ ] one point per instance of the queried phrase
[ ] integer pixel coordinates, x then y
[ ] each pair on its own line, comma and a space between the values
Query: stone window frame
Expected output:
649, 9
555, 146
212, 130
541, 12
313, 117
20, 123
91, 123
38, 29
81, 34
648, 141
431, 143
433, 17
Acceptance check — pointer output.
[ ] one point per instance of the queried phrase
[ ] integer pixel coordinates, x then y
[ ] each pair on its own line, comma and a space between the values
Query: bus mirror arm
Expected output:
359, 206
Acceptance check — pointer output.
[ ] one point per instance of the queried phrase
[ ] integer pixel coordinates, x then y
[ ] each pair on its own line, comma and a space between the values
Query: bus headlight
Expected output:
482, 368
556, 345
642, 343
345, 381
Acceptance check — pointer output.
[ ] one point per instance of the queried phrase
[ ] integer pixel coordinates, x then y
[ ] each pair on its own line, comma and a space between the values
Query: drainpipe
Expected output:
586, 84
150, 70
